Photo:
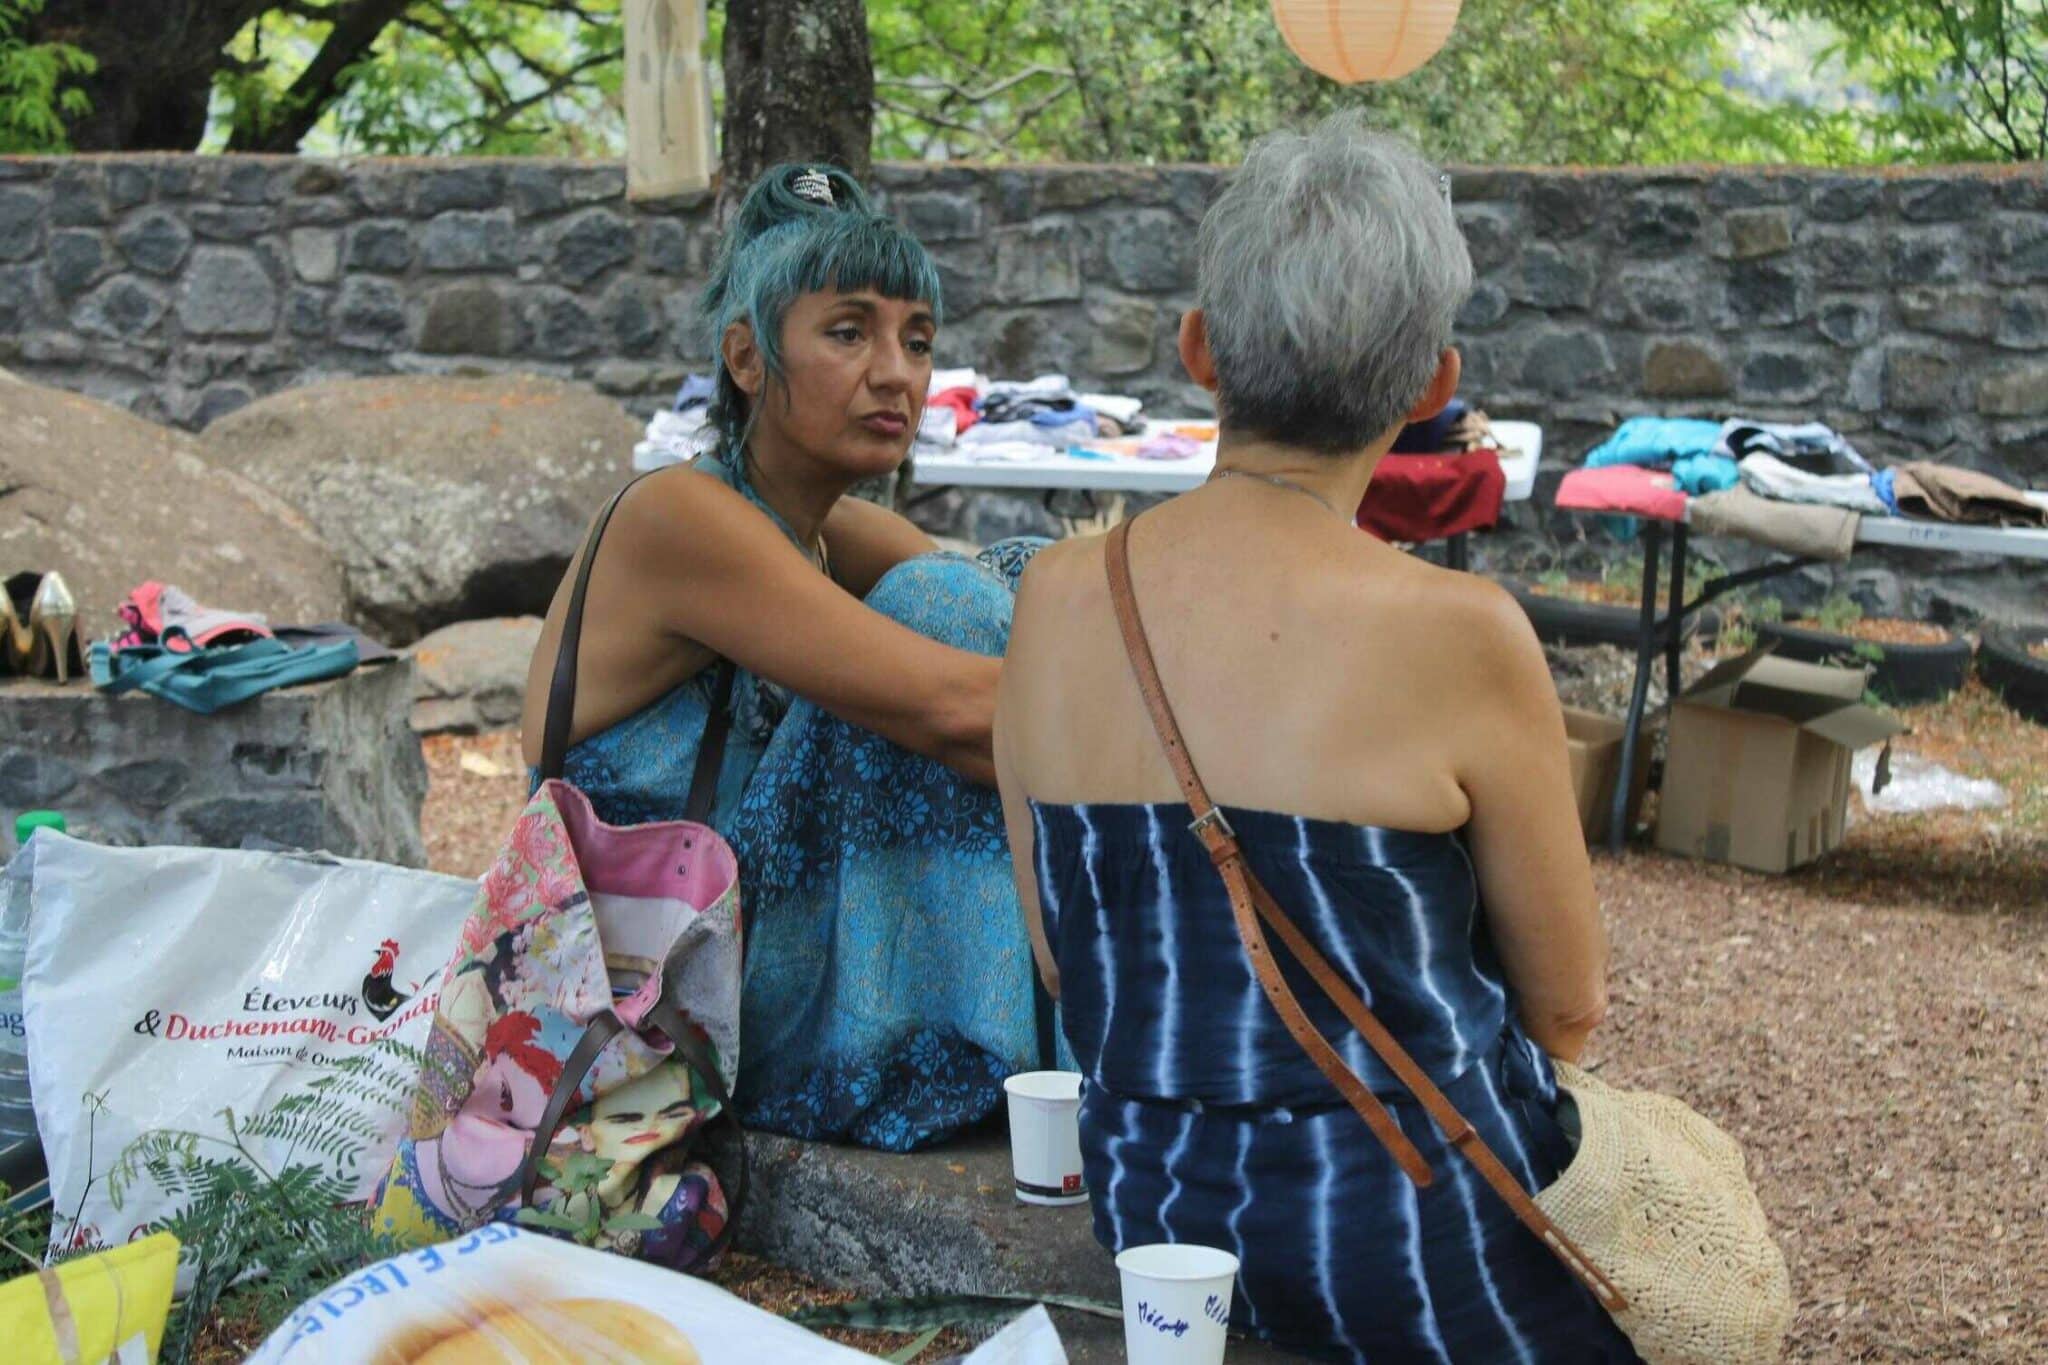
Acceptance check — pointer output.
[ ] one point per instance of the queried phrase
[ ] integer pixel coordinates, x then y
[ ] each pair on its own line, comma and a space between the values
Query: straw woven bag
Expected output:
1655, 1214
1659, 1198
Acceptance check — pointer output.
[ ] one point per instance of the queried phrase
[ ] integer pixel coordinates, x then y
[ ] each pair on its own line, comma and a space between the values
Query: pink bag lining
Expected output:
635, 860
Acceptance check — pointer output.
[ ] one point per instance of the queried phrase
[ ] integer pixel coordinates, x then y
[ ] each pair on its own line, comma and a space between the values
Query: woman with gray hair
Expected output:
1387, 747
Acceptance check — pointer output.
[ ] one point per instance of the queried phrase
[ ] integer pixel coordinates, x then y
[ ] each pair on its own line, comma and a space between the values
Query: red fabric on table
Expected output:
961, 401
1430, 497
1629, 489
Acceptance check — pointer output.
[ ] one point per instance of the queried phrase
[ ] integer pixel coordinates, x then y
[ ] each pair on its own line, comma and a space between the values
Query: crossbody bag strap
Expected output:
1251, 902
1214, 831
561, 712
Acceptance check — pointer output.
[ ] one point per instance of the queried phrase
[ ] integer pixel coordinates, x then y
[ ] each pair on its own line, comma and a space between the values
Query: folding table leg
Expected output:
1674, 624
1646, 654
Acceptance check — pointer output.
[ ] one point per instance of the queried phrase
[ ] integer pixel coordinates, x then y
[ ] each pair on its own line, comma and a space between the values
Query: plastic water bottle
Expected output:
17, 1115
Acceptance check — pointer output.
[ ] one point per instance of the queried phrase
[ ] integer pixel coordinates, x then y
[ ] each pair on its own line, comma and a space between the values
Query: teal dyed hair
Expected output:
782, 246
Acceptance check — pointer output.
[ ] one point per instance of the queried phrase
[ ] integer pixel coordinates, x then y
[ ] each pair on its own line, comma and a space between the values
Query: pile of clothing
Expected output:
1441, 478
964, 411
1798, 487
678, 434
1021, 419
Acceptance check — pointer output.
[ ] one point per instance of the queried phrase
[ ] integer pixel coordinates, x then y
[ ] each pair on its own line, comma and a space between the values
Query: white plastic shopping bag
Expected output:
507, 1297
164, 986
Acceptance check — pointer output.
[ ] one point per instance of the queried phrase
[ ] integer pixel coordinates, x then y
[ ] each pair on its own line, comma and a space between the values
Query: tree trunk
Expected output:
799, 86
157, 63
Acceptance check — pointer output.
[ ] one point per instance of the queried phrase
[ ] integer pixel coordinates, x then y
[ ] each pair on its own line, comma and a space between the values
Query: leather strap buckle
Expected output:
1214, 819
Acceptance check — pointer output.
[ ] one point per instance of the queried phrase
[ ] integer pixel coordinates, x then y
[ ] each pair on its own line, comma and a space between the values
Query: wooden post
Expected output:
668, 99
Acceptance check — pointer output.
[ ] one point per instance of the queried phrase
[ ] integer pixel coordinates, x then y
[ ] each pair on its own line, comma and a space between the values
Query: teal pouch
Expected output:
212, 679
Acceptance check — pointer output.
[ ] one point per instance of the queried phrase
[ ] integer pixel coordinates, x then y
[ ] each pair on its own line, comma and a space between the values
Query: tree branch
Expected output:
324, 79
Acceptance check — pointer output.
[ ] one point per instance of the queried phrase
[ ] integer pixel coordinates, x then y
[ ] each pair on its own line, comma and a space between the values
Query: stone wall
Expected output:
331, 766
1909, 310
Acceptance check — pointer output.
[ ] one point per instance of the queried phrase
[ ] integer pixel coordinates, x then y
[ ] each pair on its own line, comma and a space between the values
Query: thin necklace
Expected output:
1279, 482
819, 556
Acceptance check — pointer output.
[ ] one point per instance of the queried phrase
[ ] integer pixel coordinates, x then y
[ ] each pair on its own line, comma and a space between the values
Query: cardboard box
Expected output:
1594, 742
1757, 772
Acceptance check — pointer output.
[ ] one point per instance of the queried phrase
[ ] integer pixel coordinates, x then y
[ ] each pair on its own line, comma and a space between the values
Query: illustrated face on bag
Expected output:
478, 1154
641, 1117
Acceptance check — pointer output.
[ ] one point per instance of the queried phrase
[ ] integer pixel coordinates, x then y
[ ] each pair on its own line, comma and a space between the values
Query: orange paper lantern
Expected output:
1364, 40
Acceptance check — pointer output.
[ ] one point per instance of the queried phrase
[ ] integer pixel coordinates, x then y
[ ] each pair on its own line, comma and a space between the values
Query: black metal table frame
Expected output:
1665, 634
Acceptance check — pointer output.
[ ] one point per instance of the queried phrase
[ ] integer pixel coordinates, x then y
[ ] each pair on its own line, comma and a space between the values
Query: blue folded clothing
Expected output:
1655, 441
1069, 415
1700, 474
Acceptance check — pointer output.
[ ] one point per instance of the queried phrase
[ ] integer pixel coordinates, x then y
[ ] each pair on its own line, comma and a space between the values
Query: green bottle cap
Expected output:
29, 821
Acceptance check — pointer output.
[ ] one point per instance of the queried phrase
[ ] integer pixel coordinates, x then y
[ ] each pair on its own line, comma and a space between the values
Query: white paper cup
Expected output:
1045, 1137
1176, 1303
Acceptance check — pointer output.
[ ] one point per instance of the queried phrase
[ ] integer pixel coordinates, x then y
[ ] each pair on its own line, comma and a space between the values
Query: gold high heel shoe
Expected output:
51, 647
14, 637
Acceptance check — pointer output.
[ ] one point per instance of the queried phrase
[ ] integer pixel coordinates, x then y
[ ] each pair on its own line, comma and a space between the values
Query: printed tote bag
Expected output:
584, 1049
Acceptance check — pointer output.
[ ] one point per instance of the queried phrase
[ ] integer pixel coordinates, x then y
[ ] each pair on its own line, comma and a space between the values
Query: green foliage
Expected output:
453, 77
580, 1215
1589, 82
34, 100
1737, 636
290, 1226
23, 1234
1571, 81
1837, 615
1962, 80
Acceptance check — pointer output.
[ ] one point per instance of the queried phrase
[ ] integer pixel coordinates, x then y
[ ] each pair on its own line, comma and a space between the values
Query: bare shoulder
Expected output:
1061, 575
679, 516
1466, 631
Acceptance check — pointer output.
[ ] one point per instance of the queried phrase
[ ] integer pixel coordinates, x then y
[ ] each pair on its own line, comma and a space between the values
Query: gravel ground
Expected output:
1874, 1029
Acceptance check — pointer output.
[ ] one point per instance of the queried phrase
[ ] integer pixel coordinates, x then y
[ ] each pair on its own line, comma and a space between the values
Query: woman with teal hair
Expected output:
888, 985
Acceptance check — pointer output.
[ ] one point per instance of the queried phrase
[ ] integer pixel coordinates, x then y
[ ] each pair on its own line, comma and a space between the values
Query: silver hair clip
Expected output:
813, 185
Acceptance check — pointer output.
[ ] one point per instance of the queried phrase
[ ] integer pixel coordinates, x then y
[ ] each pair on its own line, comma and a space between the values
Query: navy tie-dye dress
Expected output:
1203, 1121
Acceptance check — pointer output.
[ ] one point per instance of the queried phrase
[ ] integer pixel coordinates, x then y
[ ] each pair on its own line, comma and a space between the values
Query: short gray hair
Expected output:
1331, 271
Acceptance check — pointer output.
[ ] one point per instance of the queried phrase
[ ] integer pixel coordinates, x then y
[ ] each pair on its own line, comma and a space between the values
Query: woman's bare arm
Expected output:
866, 541
1527, 846
1010, 704
718, 572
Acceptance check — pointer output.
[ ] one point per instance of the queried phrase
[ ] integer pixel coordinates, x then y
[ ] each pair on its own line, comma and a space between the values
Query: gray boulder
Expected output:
109, 500
445, 499
471, 676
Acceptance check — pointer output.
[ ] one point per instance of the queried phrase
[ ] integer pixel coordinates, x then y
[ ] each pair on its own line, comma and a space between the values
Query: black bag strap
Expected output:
665, 1018
561, 713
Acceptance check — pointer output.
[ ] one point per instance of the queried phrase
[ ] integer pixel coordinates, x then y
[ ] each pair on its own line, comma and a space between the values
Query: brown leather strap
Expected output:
1250, 902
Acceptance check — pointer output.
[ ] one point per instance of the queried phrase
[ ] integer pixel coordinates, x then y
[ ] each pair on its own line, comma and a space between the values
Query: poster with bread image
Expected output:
504, 1296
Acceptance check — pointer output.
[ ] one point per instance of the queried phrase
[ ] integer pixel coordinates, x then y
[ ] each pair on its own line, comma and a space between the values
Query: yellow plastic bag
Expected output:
108, 1307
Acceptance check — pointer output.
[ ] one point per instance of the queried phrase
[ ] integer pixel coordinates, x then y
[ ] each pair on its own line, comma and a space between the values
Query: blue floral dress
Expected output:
889, 984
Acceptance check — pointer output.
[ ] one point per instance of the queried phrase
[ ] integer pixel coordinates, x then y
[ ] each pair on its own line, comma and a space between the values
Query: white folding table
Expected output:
1068, 470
